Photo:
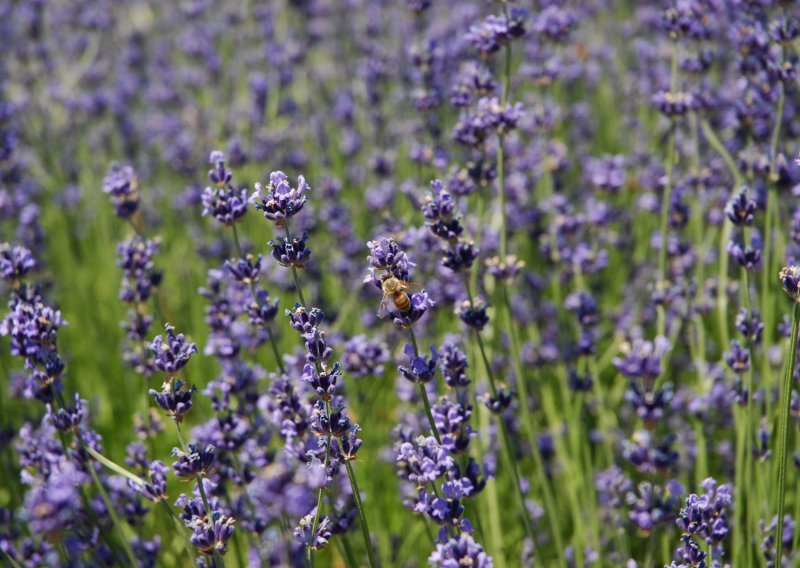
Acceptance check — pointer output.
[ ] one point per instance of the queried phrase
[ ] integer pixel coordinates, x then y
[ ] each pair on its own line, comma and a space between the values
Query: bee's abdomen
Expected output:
401, 301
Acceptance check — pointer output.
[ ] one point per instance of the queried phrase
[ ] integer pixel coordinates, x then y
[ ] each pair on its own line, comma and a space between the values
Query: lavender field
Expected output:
346, 283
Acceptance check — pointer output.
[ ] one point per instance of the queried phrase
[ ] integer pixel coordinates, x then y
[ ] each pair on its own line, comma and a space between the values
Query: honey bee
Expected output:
395, 291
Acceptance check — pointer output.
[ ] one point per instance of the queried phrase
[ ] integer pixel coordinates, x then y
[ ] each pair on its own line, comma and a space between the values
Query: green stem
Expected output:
507, 62
315, 524
126, 547
719, 147
181, 529
11, 561
783, 435
361, 515
294, 270
501, 190
252, 287
669, 166
512, 464
423, 392
527, 419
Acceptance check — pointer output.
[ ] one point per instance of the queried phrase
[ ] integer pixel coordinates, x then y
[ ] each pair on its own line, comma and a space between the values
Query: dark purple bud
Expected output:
291, 253
15, 262
195, 462
121, 185
175, 399
172, 353
420, 369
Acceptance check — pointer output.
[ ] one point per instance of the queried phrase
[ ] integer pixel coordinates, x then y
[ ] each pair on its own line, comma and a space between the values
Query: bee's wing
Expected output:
386, 306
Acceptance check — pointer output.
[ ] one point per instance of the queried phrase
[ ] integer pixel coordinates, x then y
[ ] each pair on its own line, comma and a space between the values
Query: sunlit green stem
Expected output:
114, 517
275, 350
109, 505
362, 516
783, 432
423, 392
294, 270
667, 199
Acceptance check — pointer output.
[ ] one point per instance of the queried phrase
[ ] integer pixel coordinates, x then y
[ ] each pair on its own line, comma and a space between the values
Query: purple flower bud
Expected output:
336, 423
323, 382
473, 314
741, 209
246, 269
347, 446
500, 401
212, 534
68, 418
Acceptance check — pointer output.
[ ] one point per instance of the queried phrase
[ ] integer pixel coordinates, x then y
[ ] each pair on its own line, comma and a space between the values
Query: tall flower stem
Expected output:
100, 489
113, 513
423, 391
512, 463
744, 440
770, 217
252, 287
218, 563
527, 418
783, 431
297, 285
361, 515
722, 279
669, 167
350, 472
315, 523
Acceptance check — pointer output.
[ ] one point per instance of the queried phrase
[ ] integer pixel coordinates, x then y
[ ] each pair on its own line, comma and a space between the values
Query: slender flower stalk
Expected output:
423, 393
772, 215
258, 300
667, 198
790, 277
280, 202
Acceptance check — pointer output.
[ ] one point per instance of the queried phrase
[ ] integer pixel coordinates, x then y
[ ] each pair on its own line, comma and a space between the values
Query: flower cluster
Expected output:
389, 261
122, 187
223, 201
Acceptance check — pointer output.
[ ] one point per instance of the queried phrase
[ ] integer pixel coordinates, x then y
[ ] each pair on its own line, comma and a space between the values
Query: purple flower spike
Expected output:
303, 532
175, 399
291, 253
122, 187
460, 551
420, 369
790, 278
278, 200
212, 534
156, 489
15, 262
172, 353
194, 462
68, 418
